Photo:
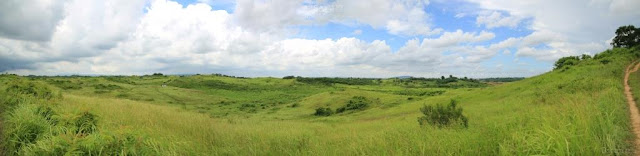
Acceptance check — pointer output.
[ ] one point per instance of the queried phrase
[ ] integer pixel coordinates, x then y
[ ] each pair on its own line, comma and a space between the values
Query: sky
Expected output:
312, 38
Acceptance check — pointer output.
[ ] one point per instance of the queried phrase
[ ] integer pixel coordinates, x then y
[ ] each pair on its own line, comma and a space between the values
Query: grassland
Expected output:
574, 110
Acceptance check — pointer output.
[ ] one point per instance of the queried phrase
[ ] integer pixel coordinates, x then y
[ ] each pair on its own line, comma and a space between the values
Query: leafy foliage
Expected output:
323, 111
30, 88
626, 37
566, 62
329, 81
106, 87
356, 103
65, 84
501, 79
443, 115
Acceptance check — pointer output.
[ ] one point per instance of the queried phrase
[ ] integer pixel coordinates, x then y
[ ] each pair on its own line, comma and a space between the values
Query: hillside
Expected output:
578, 109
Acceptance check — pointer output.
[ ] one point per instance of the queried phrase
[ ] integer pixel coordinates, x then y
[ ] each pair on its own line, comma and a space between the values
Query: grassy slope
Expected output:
579, 111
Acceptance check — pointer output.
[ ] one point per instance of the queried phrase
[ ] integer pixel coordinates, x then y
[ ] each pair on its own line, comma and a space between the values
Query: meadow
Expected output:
576, 109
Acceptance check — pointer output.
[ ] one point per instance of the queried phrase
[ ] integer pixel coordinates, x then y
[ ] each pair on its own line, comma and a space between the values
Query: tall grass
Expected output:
576, 111
32, 125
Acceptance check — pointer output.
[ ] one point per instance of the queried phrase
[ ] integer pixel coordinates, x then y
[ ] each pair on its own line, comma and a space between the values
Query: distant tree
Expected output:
288, 77
585, 57
442, 77
626, 36
157, 74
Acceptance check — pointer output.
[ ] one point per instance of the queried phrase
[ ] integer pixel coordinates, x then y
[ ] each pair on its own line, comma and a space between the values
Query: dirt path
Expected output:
635, 115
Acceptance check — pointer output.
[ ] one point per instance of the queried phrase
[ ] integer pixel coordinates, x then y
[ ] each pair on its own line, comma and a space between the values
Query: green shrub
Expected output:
442, 115
65, 84
107, 87
30, 88
294, 105
566, 61
323, 111
356, 103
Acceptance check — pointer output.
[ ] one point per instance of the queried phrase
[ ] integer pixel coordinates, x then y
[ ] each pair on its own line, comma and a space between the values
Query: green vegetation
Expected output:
356, 103
443, 115
323, 111
501, 79
34, 125
626, 37
577, 110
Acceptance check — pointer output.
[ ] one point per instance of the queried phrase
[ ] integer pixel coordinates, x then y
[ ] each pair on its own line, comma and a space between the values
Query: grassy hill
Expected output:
578, 109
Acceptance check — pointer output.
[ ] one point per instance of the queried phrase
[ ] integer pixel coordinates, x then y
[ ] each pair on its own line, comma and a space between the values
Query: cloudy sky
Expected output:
346, 38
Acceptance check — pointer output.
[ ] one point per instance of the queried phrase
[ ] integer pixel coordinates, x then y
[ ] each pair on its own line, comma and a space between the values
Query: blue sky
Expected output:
380, 38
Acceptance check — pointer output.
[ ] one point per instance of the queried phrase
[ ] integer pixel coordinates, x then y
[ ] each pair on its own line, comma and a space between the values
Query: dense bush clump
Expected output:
106, 87
17, 87
566, 62
65, 84
443, 115
330, 81
356, 103
323, 111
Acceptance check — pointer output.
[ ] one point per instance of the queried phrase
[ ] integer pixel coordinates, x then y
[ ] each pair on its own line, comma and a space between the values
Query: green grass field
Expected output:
575, 110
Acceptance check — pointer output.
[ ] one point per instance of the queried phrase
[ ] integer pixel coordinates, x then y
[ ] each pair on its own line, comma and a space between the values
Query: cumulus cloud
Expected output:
31, 20
398, 17
139, 37
564, 28
86, 28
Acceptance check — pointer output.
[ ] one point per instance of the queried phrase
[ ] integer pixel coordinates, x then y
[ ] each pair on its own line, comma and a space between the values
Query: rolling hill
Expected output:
578, 109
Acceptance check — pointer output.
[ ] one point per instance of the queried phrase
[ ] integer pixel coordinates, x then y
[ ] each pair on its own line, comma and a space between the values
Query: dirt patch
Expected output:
635, 115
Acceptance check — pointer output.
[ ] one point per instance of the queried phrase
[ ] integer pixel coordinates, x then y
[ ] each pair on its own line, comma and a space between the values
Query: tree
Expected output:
626, 37
442, 77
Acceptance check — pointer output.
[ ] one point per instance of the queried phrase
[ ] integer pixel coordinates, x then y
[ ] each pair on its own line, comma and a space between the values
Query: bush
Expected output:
65, 84
30, 88
323, 111
566, 61
442, 115
106, 87
356, 103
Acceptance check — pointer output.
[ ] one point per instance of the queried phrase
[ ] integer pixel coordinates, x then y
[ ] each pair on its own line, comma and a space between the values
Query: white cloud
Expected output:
495, 19
118, 37
31, 20
453, 38
405, 17
85, 29
566, 27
